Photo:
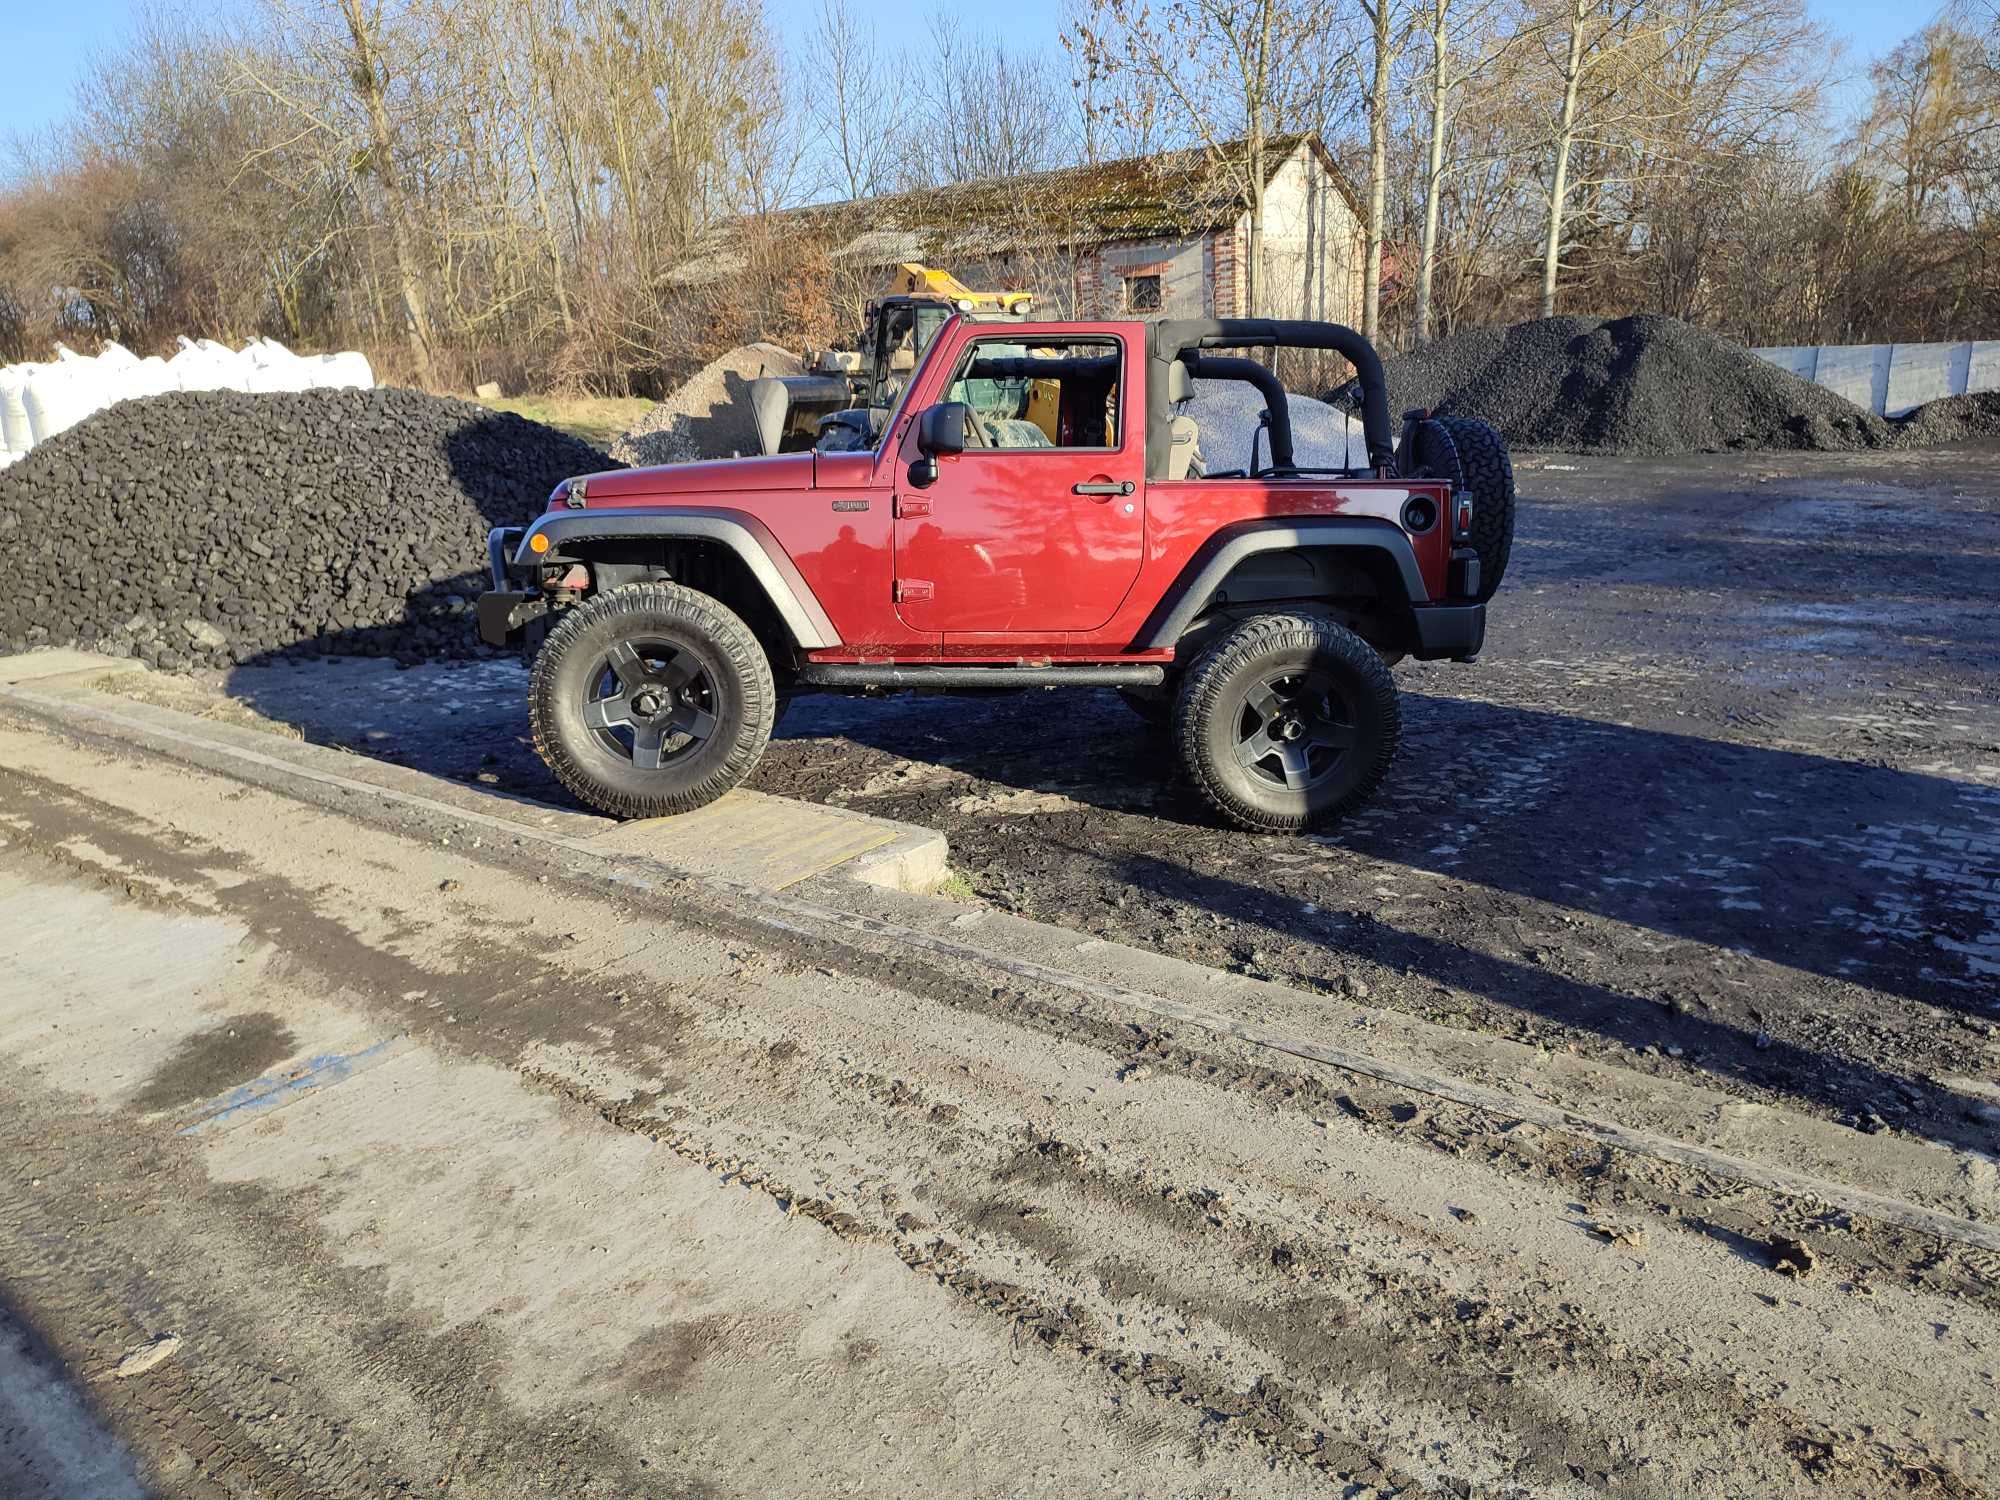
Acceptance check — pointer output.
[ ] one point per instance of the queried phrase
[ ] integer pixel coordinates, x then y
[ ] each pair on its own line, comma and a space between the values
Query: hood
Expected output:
779, 471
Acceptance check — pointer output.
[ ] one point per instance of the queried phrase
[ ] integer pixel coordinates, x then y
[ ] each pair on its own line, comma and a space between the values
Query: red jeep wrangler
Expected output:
1034, 515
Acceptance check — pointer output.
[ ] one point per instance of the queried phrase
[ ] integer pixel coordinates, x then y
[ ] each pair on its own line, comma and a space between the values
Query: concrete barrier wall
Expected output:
1893, 379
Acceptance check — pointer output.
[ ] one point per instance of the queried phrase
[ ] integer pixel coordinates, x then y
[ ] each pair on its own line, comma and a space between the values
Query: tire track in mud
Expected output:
1271, 1412
1480, 1353
1268, 1413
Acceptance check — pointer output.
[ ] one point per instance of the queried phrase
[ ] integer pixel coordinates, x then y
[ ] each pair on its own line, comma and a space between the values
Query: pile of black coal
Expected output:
201, 529
1647, 385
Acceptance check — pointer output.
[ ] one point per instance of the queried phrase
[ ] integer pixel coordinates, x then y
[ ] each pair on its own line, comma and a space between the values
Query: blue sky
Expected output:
46, 44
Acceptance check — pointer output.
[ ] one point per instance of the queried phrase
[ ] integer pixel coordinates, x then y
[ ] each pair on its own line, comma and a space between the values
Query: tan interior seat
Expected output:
1184, 437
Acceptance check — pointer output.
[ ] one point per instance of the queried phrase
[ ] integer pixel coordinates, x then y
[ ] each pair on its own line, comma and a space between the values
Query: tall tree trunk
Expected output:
1565, 140
1253, 268
1255, 95
367, 75
1378, 171
1434, 184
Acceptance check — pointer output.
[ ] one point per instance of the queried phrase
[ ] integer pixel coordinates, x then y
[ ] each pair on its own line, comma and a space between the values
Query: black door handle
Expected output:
1123, 487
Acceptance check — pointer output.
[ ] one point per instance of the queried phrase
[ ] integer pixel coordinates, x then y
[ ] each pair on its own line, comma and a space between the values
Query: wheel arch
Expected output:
646, 540
1291, 561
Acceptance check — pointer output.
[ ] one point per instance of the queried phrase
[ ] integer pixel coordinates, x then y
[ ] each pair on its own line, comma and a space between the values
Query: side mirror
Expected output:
941, 429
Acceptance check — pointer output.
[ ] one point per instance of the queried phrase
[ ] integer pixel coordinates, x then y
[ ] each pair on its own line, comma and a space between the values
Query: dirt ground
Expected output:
348, 1149
348, 1157
1721, 798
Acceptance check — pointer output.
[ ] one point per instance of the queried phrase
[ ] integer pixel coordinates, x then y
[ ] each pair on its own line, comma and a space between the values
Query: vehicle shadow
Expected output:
59, 1437
1839, 869
1841, 1085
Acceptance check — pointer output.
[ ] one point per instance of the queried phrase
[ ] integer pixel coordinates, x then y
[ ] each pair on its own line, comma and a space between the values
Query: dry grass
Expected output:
595, 419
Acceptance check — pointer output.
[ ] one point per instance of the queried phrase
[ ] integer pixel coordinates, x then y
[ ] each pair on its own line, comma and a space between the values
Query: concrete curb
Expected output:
784, 841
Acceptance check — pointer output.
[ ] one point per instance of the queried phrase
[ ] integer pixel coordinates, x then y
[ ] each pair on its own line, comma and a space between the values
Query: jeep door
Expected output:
1038, 526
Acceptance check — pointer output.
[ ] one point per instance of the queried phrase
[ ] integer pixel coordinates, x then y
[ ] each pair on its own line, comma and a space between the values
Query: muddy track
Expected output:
1333, 1274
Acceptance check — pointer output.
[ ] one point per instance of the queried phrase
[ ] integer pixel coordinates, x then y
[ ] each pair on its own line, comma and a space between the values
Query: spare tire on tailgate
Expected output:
1473, 457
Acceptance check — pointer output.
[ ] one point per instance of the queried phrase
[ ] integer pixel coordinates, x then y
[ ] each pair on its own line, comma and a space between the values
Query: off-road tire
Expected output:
1216, 701
1473, 457
735, 668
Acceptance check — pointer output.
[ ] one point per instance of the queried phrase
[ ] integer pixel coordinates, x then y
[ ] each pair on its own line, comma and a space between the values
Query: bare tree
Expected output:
368, 70
1215, 60
1464, 46
1388, 27
853, 103
982, 110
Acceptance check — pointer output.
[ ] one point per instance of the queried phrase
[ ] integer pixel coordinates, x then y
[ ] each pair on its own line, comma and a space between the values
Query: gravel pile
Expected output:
1648, 385
199, 529
1952, 419
1228, 413
709, 416
1644, 385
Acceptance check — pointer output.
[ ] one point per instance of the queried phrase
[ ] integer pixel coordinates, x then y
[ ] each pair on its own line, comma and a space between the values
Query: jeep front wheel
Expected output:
1287, 722
651, 699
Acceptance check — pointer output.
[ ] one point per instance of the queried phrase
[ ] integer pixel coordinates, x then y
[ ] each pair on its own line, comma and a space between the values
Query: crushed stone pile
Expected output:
1228, 412
1645, 386
200, 529
1952, 419
709, 416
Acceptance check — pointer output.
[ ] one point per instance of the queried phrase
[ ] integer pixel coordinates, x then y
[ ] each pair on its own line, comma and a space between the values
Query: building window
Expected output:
1142, 293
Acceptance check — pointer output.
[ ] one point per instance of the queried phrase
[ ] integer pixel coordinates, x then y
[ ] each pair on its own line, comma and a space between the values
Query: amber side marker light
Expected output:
538, 544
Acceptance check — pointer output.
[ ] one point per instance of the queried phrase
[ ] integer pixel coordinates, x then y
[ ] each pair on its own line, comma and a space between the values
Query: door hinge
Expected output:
913, 588
913, 505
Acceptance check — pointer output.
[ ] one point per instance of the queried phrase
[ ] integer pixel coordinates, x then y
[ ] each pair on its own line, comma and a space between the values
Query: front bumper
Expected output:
1454, 631
503, 609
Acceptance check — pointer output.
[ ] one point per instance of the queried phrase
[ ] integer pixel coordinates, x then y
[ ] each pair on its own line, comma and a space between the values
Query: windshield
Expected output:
909, 384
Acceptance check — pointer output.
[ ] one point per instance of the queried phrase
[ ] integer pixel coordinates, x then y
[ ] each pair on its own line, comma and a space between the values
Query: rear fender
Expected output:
1266, 561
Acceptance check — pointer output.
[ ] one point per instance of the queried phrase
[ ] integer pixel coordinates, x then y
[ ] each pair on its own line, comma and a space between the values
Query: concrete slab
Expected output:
35, 666
752, 837
776, 842
1924, 372
1860, 372
1982, 366
1798, 358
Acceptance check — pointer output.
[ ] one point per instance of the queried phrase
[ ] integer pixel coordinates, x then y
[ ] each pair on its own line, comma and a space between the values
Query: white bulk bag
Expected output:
276, 368
58, 397
16, 437
347, 370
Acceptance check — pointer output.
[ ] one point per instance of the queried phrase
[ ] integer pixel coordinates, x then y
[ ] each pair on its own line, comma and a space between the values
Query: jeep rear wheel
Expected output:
651, 699
1287, 722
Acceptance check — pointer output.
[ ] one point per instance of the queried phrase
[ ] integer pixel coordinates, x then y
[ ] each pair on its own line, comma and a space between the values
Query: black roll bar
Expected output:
1174, 339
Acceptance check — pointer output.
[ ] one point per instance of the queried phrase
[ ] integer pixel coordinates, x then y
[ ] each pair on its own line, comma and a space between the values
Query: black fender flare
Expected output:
1219, 556
743, 534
